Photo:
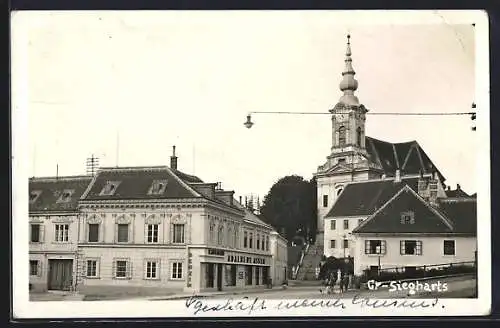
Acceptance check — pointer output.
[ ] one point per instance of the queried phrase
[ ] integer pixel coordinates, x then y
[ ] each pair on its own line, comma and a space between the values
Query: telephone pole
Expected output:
92, 165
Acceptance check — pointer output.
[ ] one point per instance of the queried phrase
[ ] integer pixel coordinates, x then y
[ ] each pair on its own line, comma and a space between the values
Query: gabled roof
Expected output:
425, 218
50, 193
409, 157
462, 212
134, 183
364, 198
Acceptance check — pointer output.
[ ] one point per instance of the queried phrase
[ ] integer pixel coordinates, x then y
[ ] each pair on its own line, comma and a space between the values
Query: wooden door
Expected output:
60, 274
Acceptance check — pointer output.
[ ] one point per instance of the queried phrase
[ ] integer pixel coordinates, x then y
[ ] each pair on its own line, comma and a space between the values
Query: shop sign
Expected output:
245, 259
214, 251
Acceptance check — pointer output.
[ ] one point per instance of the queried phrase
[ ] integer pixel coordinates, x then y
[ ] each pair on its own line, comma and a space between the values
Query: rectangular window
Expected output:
250, 242
411, 247
152, 233
178, 237
245, 239
91, 268
333, 224
449, 247
346, 243
152, 270
258, 241
93, 233
375, 247
325, 200
346, 224
176, 270
35, 233
33, 268
407, 218
333, 243
62, 232
123, 233
121, 269
267, 243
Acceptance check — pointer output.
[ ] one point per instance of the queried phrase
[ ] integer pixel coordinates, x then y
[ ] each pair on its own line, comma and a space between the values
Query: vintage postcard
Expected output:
250, 163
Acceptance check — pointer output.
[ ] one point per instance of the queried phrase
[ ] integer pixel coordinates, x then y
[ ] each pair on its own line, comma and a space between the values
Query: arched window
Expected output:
339, 191
358, 136
342, 136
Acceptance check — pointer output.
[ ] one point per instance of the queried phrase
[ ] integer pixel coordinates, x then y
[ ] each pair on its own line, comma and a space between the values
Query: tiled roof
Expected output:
187, 177
364, 198
457, 193
135, 183
462, 212
51, 193
409, 157
250, 216
387, 219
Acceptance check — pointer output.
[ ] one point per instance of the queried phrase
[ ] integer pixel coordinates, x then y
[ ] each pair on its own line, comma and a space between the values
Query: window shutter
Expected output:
129, 269
114, 269
146, 231
421, 247
116, 233
402, 247
41, 232
39, 268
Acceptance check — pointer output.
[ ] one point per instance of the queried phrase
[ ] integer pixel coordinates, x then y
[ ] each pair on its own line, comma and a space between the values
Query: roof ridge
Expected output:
59, 178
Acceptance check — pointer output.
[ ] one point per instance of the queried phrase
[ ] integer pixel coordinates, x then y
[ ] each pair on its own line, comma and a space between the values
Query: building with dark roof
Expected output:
53, 230
401, 222
156, 229
354, 156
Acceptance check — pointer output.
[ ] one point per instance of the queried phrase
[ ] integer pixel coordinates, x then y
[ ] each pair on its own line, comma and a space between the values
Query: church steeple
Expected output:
348, 84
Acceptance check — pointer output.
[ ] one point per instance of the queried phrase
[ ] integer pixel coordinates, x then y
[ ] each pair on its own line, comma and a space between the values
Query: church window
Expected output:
342, 136
358, 136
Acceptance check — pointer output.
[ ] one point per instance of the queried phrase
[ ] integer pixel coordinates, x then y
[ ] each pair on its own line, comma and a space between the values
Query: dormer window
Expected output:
109, 188
65, 196
407, 217
34, 195
341, 161
158, 187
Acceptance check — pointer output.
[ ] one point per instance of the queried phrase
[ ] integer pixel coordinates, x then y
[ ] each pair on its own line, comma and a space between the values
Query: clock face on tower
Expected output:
342, 117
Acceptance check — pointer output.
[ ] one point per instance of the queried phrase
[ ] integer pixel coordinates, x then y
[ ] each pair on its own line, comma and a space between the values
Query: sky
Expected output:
128, 86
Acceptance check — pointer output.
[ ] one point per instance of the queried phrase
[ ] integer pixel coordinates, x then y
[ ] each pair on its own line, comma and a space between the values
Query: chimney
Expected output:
422, 186
397, 178
241, 202
173, 160
433, 189
458, 187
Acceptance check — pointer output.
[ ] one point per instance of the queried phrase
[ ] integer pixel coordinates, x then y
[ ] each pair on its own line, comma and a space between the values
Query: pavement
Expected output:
458, 287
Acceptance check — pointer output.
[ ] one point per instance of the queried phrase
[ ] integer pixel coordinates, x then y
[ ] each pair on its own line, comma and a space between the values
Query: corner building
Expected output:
154, 230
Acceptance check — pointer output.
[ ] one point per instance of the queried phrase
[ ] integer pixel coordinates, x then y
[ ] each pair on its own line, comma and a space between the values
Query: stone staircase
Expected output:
312, 257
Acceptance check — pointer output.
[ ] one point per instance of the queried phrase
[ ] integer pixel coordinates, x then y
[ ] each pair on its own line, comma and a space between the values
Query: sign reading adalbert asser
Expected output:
245, 259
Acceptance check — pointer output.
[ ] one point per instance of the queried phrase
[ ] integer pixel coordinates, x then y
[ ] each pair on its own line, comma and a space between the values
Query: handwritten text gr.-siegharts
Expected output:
249, 306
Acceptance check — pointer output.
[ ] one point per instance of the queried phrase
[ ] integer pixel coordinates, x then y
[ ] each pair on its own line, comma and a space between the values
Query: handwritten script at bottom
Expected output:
246, 305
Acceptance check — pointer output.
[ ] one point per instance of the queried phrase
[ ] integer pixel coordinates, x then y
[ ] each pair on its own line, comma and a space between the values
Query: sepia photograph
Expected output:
250, 163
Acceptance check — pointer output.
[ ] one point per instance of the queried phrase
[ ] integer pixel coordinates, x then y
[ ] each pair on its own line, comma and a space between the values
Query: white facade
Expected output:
339, 241
429, 252
196, 247
53, 242
279, 251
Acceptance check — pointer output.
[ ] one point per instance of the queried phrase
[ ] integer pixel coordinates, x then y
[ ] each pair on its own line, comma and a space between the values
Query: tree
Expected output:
290, 206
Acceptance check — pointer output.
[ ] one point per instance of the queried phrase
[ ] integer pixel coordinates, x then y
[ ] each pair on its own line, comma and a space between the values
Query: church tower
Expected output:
348, 160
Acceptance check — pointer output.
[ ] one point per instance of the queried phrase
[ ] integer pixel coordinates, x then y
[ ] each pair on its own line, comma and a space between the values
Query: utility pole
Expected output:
92, 165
